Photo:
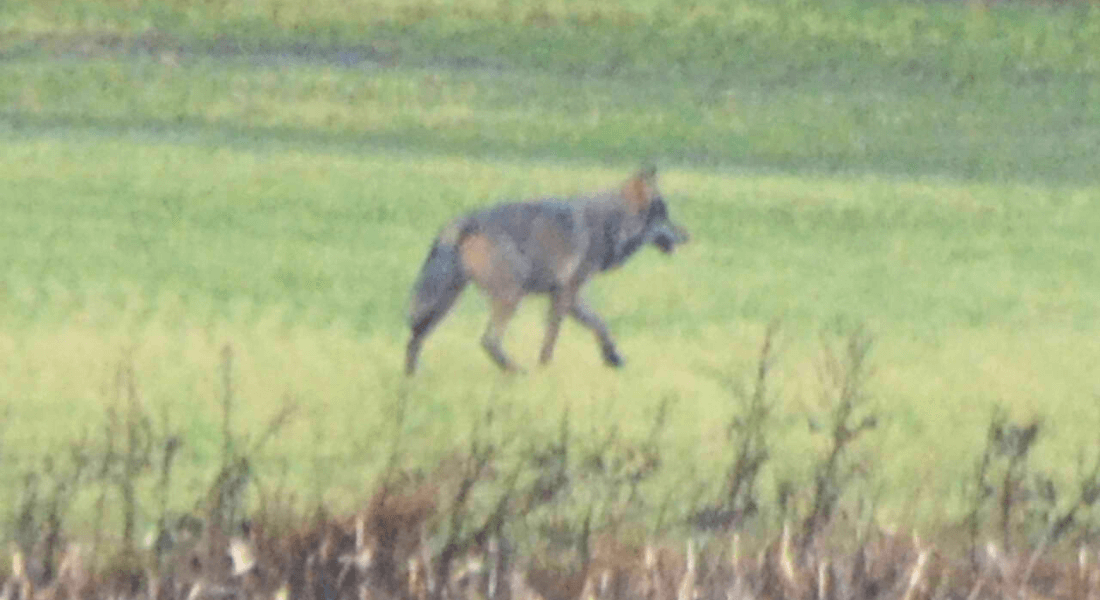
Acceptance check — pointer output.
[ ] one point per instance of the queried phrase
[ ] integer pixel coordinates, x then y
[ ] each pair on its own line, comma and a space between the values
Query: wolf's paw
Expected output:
612, 358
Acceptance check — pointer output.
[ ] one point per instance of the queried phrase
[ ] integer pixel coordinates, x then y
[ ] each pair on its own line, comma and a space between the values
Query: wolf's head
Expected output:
641, 191
661, 231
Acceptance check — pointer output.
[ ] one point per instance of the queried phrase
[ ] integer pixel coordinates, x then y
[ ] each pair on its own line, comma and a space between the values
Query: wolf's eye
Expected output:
657, 209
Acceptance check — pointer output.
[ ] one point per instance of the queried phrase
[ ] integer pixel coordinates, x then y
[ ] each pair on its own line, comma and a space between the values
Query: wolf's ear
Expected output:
641, 188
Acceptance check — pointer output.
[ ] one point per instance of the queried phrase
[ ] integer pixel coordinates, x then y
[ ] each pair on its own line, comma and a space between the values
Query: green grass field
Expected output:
269, 175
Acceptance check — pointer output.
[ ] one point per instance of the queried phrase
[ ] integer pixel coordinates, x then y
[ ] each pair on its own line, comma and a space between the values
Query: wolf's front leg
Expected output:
587, 317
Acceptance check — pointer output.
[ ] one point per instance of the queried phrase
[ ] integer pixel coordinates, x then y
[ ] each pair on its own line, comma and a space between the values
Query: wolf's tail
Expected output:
441, 280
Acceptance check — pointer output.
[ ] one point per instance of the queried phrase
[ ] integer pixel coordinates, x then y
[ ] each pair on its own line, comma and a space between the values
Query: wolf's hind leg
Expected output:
494, 265
501, 311
561, 302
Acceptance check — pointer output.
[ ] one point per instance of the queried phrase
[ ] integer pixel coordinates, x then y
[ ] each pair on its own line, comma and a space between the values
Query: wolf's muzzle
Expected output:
668, 236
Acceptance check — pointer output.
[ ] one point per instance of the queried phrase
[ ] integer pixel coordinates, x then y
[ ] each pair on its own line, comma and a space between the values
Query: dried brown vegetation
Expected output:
383, 552
503, 518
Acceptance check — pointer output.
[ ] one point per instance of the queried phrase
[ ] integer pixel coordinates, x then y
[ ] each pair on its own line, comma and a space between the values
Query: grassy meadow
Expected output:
178, 177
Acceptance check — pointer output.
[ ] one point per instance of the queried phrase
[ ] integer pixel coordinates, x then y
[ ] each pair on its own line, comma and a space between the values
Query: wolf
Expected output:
547, 246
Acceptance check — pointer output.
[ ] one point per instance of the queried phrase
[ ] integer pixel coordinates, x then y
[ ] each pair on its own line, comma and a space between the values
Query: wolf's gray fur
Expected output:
539, 247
